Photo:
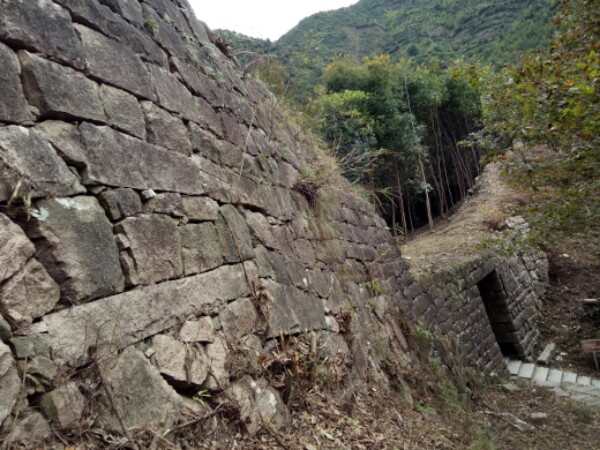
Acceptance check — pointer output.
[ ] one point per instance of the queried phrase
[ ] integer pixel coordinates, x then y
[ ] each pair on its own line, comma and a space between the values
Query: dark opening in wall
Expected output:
496, 305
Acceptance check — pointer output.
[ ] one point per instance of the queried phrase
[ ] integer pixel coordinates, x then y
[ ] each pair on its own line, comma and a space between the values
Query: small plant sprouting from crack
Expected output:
152, 27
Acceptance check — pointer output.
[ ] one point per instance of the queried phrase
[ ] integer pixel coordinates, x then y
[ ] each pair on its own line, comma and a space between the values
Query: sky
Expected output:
261, 18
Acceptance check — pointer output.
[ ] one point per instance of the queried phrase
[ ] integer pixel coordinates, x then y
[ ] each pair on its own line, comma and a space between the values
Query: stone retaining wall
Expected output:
156, 235
488, 304
153, 229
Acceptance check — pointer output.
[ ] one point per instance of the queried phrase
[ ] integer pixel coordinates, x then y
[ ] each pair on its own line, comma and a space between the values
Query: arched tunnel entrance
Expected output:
495, 300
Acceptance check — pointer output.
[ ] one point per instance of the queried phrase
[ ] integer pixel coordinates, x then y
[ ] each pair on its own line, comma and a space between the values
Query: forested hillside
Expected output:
477, 30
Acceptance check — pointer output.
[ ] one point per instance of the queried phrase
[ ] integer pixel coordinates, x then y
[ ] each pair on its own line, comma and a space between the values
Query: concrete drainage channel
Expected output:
565, 384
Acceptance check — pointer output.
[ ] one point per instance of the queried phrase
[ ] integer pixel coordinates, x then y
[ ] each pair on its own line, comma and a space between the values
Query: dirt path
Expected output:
479, 218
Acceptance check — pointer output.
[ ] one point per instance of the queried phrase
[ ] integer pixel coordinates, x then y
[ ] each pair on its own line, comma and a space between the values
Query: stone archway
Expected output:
496, 304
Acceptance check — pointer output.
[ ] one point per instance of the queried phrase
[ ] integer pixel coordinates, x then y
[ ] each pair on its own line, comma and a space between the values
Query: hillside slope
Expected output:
423, 30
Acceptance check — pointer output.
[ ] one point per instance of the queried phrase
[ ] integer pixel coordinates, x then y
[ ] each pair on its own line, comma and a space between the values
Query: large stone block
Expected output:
218, 374
115, 322
201, 249
142, 396
123, 111
64, 406
14, 107
130, 10
10, 382
42, 25
238, 318
155, 246
58, 91
234, 235
15, 248
200, 208
102, 18
201, 330
30, 430
259, 404
172, 95
165, 34
166, 130
29, 294
77, 248
28, 160
183, 364
115, 63
168, 203
293, 311
121, 202
116, 159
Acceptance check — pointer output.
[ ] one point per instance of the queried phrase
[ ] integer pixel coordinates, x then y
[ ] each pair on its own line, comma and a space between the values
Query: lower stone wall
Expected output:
488, 304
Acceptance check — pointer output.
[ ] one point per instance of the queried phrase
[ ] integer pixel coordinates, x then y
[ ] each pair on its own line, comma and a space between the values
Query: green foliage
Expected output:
426, 410
433, 30
201, 397
396, 127
552, 97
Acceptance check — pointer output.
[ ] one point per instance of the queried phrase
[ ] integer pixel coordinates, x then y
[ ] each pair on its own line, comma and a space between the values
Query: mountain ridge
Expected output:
439, 30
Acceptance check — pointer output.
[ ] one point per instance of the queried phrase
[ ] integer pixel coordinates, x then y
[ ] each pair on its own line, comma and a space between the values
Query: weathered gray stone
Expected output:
5, 330
218, 375
169, 203
155, 246
39, 366
10, 383
29, 294
235, 235
27, 157
14, 107
116, 159
100, 17
292, 310
181, 363
58, 91
332, 345
15, 248
78, 249
200, 248
124, 319
66, 138
64, 406
123, 111
115, 63
164, 32
238, 318
200, 330
42, 25
172, 95
30, 346
129, 9
31, 430
166, 130
259, 404
204, 143
145, 399
206, 116
200, 208
119, 203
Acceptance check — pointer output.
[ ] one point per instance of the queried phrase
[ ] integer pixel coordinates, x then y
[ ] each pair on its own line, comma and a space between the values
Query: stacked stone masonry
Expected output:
150, 229
148, 208
488, 304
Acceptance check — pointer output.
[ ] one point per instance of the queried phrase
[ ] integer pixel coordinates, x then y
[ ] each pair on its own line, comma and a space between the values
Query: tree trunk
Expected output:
401, 197
427, 201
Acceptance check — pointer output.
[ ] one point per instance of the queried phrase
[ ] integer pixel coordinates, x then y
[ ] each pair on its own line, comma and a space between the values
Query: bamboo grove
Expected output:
400, 131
